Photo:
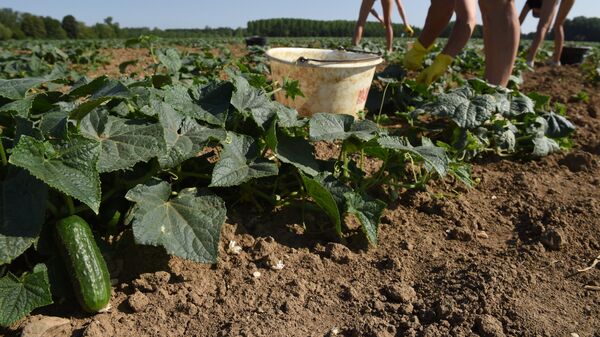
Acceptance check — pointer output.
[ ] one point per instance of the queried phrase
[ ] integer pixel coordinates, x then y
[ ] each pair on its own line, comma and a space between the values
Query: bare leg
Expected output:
559, 32
501, 39
439, 14
463, 28
387, 21
401, 11
365, 8
547, 14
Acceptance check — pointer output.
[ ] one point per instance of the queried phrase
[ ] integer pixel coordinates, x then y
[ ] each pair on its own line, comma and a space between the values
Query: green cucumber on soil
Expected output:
87, 268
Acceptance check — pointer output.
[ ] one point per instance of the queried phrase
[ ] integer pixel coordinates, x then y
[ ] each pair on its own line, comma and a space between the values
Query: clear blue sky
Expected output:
231, 13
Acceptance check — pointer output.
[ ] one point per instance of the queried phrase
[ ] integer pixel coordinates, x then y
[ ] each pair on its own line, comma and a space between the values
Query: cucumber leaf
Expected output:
240, 163
330, 127
324, 199
69, 166
20, 295
22, 212
187, 225
122, 142
368, 212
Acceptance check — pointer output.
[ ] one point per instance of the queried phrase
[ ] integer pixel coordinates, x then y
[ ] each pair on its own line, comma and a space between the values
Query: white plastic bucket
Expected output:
334, 81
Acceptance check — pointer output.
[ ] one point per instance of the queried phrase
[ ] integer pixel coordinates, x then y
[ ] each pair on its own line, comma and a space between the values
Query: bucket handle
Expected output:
376, 56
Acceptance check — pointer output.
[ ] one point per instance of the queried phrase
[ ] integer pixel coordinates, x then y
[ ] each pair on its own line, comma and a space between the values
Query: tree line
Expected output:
17, 25
304, 27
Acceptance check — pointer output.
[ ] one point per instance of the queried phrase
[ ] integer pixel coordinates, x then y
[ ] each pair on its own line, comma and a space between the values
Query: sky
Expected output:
233, 13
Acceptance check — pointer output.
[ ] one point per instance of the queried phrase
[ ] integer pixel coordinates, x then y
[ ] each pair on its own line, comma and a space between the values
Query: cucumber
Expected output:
87, 268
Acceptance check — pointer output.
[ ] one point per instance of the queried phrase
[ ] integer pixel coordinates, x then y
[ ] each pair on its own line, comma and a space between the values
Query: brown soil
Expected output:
497, 260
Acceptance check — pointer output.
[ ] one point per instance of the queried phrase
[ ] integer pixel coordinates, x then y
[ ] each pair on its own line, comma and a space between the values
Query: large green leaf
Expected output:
543, 146
434, 157
69, 166
239, 162
187, 225
122, 142
249, 99
184, 137
20, 295
298, 152
17, 88
20, 107
170, 59
213, 100
464, 108
330, 127
558, 126
22, 212
367, 211
520, 104
325, 200
100, 91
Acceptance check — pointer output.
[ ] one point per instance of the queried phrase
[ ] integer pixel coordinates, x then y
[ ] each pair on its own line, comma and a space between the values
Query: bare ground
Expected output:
497, 260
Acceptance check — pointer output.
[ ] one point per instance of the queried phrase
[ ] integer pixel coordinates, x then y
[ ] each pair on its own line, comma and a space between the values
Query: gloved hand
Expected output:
409, 30
413, 59
436, 69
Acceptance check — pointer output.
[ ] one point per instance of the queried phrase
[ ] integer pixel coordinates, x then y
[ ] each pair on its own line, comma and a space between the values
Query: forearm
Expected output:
402, 13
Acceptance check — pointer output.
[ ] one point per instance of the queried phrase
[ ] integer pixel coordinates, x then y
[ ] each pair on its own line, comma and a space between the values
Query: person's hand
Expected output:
413, 59
435, 70
409, 30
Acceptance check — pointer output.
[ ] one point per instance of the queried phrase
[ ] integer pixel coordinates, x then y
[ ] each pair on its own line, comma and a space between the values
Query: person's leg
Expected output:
559, 33
365, 7
463, 28
546, 15
501, 39
387, 22
439, 15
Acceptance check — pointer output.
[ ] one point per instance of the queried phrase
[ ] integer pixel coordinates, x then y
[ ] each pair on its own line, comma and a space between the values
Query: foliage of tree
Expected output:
54, 29
5, 32
69, 24
282, 27
33, 26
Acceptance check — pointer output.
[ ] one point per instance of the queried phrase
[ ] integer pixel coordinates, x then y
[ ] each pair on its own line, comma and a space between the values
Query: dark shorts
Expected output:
534, 4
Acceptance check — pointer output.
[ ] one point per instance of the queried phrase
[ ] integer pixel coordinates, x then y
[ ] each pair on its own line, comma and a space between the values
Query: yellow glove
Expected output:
409, 30
413, 59
435, 70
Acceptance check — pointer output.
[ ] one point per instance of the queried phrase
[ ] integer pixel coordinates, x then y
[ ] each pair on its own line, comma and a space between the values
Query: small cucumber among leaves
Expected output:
87, 268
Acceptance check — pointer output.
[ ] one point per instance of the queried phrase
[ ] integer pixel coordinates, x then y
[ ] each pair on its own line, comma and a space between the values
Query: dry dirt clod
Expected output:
401, 293
47, 326
263, 247
138, 301
152, 281
460, 234
553, 239
99, 327
489, 326
338, 253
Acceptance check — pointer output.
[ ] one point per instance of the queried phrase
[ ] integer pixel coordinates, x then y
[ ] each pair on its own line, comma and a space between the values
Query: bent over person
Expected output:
545, 11
500, 38
367, 7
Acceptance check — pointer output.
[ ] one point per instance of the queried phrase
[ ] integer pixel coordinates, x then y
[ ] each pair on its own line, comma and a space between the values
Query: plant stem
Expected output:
3, 154
70, 205
382, 102
50, 206
273, 92
195, 175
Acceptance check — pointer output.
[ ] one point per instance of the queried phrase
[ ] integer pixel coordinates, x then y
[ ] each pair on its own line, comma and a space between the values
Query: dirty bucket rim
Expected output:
369, 61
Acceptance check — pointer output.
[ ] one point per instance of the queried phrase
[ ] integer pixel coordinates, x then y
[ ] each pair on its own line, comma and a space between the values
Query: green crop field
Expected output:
166, 139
